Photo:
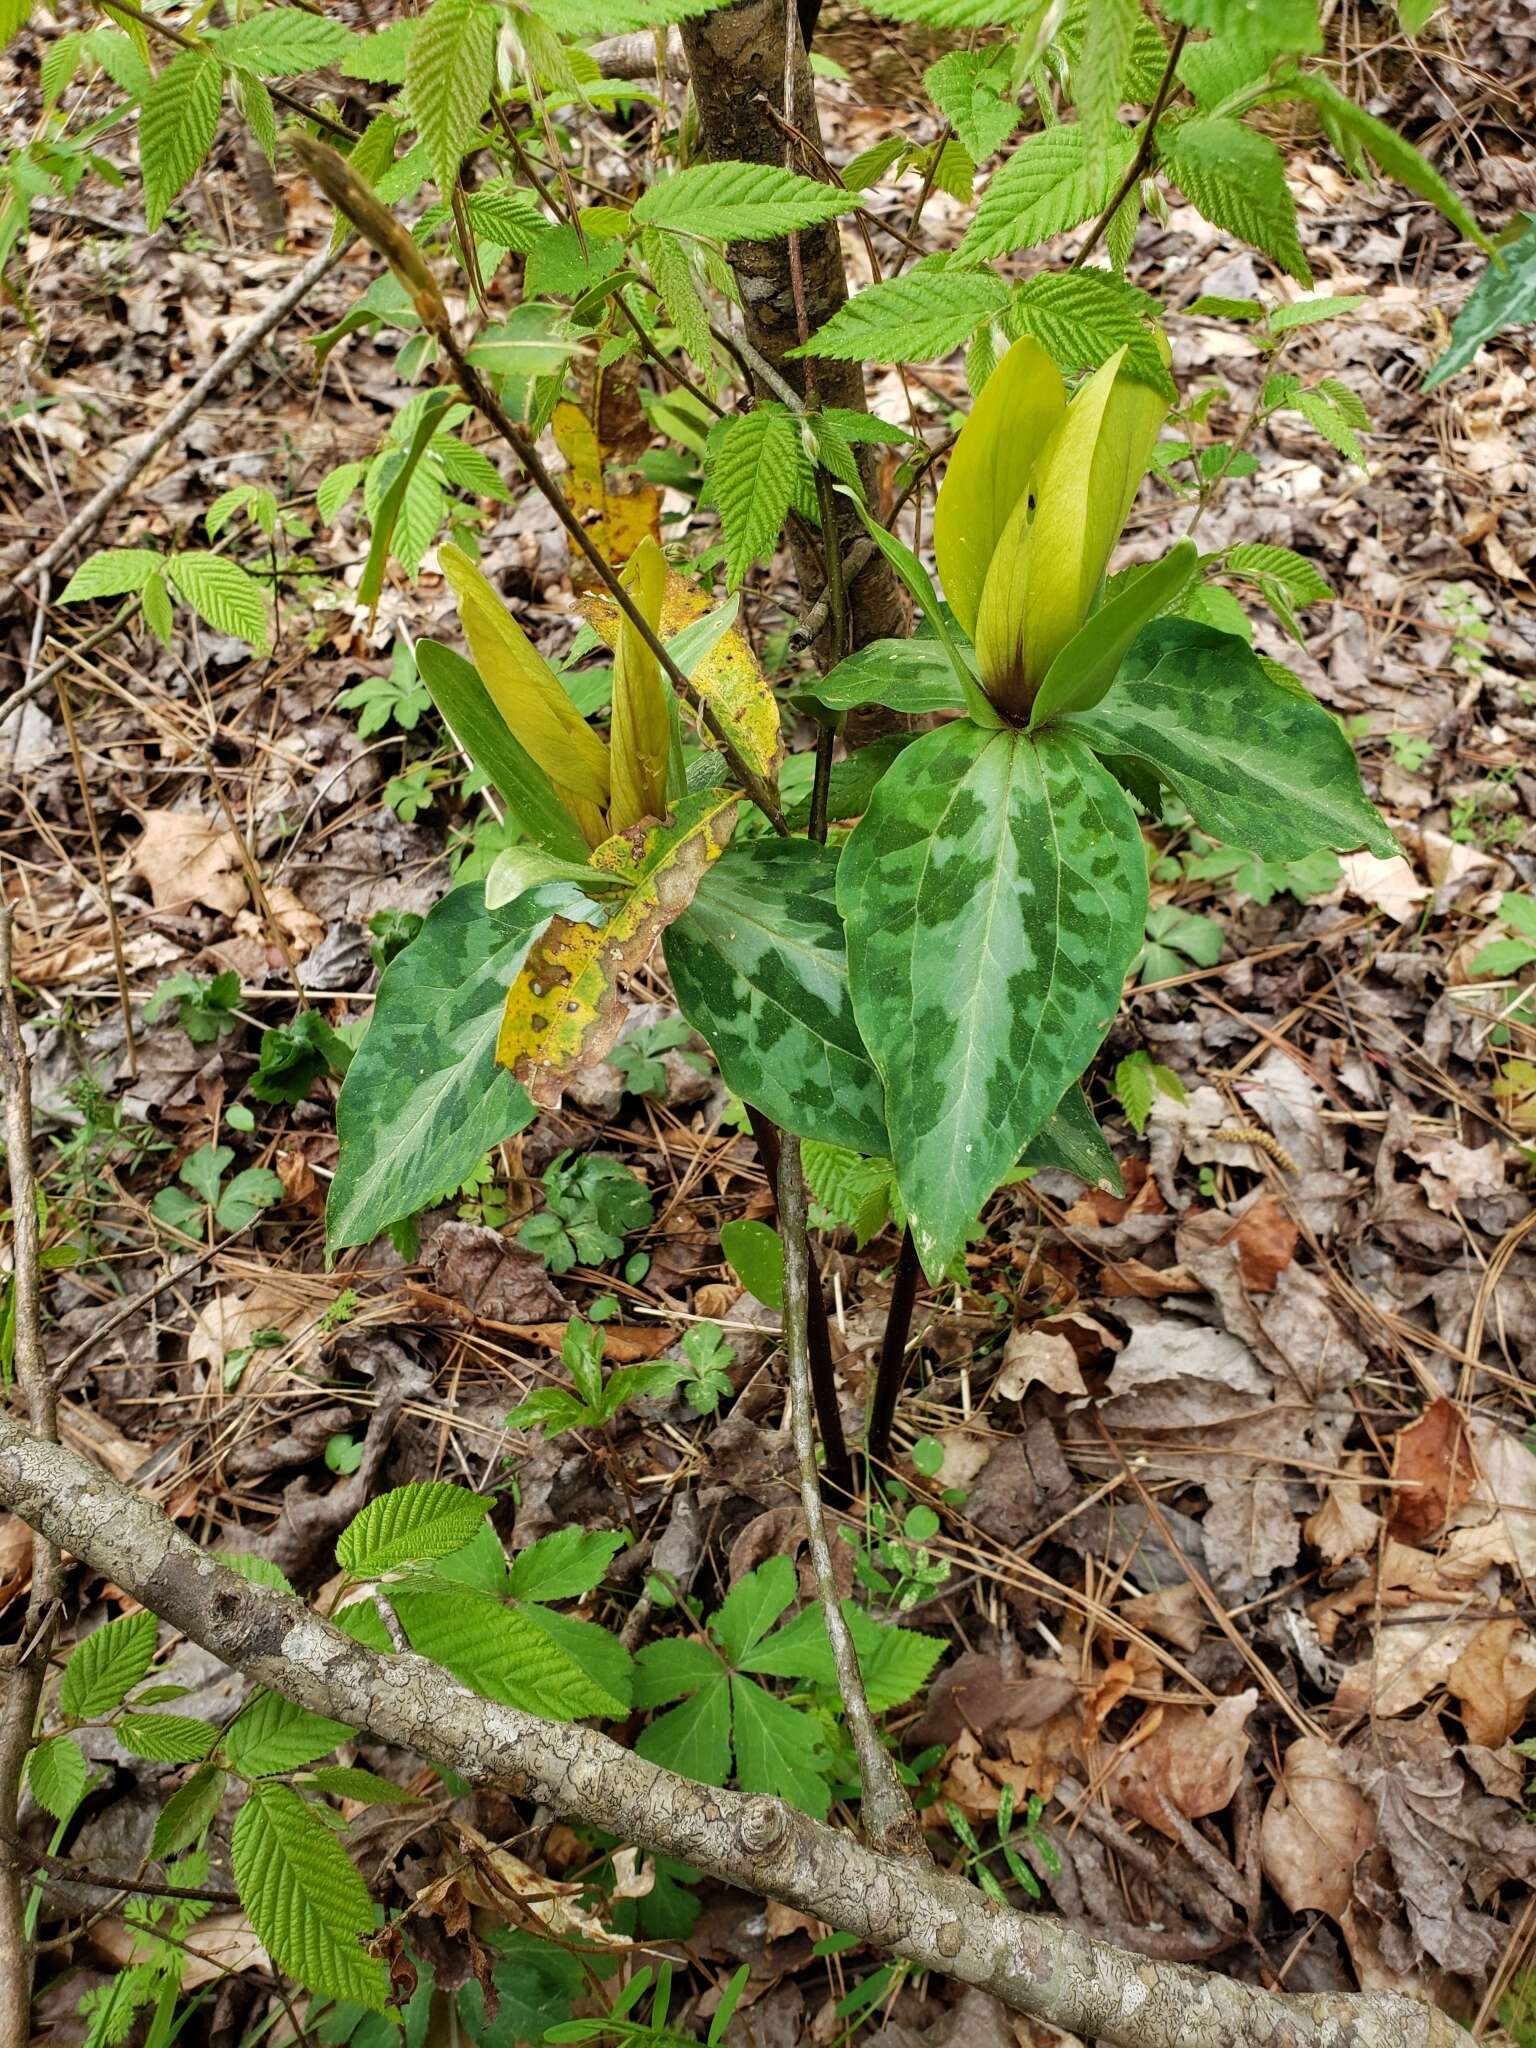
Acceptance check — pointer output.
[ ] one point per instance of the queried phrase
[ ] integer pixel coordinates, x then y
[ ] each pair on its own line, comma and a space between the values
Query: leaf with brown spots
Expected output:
563, 1011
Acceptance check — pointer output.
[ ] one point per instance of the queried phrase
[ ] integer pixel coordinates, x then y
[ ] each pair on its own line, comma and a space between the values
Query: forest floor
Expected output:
1228, 1487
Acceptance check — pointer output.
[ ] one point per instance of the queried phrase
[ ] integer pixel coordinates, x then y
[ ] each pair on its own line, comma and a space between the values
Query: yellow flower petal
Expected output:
989, 470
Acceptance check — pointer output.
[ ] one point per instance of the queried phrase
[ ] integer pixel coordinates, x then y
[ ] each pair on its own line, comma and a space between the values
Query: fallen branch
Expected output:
1035, 1964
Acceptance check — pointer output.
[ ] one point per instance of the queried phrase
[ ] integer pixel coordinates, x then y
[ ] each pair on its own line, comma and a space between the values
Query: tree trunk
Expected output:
736, 58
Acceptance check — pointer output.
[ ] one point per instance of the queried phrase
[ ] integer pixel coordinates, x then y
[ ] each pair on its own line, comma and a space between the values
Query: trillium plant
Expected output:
928, 987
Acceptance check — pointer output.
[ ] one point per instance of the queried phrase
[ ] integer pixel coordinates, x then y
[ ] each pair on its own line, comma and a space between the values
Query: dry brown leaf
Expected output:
1193, 1759
1343, 1526
1316, 1828
1504, 1500
974, 1693
1495, 1679
1176, 1613
1265, 1239
1434, 1471
1032, 1358
185, 860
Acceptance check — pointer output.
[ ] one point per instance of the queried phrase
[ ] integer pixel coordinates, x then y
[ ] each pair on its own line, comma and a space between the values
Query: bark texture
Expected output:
736, 59
1037, 1965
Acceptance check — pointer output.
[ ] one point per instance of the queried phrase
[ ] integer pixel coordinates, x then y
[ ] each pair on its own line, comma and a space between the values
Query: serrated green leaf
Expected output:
757, 465
499, 1653
972, 90
413, 1524
221, 592
113, 573
281, 42
779, 1749
56, 1775
666, 258
158, 615
993, 895
1045, 187
261, 1571
753, 1605
350, 1781
1391, 151
106, 1666
1307, 312
188, 1813
1290, 24
759, 968
177, 119
738, 202
1258, 766
166, 1738
1100, 75
423, 1099
308, 1906
858, 1192
912, 319
600, 1656
271, 1736
565, 1565
1236, 177
694, 1738
448, 75
895, 1662
672, 1669
1081, 317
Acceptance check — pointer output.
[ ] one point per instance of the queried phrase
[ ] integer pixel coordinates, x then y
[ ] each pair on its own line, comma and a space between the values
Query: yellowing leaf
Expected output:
529, 695
727, 677
640, 724
563, 1011
617, 519
989, 470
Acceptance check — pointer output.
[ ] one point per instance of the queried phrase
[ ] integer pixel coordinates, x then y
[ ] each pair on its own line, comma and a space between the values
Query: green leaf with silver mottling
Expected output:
904, 675
424, 1098
994, 895
1258, 765
1070, 1138
759, 967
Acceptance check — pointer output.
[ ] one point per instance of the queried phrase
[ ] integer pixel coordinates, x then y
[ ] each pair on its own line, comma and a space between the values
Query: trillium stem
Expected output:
891, 1373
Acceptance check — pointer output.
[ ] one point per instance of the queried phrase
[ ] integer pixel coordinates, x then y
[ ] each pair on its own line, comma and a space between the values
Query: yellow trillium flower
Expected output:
1037, 492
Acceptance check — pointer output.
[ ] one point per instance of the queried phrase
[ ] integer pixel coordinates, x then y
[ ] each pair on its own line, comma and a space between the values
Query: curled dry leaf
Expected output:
1316, 1828
1494, 1678
1034, 1358
1176, 1613
1343, 1526
1193, 1759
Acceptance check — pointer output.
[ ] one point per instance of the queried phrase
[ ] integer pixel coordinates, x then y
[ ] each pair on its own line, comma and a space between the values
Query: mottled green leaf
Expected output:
1504, 296
423, 1099
994, 895
1258, 765
759, 967
1070, 1138
915, 676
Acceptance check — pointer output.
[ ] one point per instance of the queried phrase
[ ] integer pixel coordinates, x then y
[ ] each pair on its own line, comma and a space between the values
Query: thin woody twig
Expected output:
21, 1678
96, 508
1143, 151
